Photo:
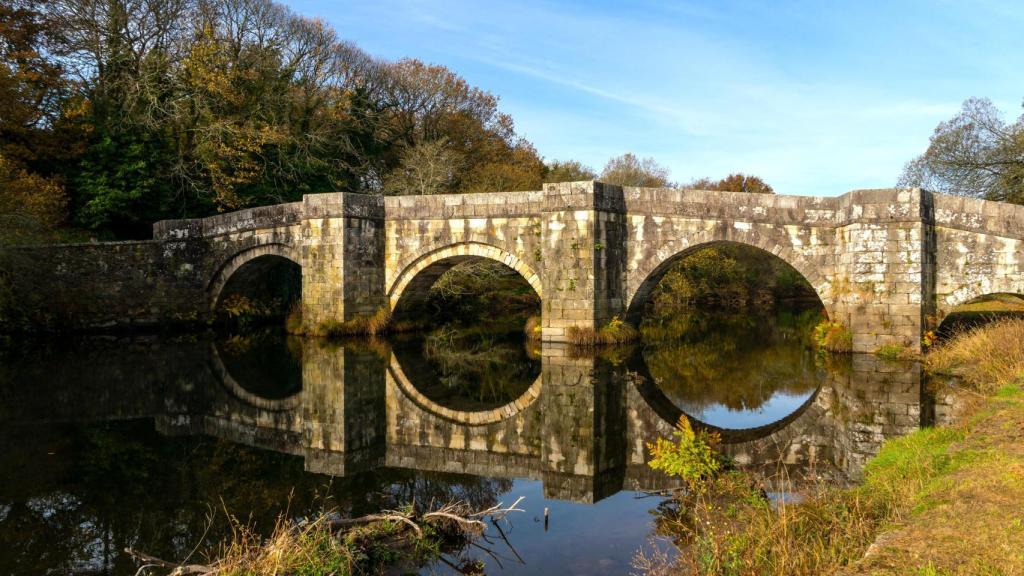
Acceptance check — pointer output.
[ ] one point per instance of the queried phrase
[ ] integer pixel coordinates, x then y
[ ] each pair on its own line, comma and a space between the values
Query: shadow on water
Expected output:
108, 443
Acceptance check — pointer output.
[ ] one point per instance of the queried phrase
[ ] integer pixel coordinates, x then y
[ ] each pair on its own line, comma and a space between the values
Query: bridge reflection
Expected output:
581, 427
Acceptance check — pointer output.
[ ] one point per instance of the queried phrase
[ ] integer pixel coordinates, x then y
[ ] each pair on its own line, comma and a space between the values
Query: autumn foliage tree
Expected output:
33, 93
737, 182
139, 110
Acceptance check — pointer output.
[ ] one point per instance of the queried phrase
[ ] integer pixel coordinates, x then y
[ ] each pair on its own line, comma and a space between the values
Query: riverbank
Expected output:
939, 501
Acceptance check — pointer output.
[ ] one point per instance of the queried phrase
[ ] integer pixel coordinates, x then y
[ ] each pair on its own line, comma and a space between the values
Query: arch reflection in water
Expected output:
734, 372
467, 376
260, 366
584, 431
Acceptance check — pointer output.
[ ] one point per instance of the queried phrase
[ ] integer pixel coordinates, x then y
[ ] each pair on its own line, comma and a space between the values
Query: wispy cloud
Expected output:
818, 98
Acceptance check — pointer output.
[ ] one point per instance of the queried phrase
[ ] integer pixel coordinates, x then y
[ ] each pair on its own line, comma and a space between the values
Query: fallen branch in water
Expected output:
148, 561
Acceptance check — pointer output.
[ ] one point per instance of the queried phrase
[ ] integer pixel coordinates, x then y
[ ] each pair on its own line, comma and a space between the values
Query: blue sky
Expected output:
817, 98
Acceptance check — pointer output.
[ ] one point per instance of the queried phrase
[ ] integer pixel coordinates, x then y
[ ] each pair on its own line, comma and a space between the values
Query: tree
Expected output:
975, 154
153, 109
30, 205
568, 171
628, 170
34, 140
425, 168
429, 102
737, 182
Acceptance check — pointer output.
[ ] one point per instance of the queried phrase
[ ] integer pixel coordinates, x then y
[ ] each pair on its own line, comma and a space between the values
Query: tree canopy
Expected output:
737, 182
568, 171
975, 153
138, 110
629, 170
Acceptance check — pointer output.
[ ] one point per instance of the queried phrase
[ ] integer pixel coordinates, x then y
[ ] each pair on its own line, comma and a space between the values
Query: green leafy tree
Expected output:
120, 186
975, 153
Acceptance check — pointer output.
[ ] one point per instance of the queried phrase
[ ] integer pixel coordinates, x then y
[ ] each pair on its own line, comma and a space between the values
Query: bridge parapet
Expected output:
888, 263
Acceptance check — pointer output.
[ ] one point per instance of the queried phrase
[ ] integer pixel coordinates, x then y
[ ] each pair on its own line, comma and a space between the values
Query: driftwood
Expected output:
452, 514
148, 561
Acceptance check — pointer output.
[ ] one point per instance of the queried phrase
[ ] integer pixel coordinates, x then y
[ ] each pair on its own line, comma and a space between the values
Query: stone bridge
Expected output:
887, 263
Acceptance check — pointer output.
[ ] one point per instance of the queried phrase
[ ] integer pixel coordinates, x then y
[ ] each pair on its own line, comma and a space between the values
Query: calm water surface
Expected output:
108, 443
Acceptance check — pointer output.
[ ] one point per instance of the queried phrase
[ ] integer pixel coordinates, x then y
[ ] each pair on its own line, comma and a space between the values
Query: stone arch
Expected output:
418, 276
973, 290
947, 307
239, 259
471, 418
643, 280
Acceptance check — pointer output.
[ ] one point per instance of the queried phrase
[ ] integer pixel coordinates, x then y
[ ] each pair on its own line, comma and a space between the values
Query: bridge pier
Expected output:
583, 237
342, 257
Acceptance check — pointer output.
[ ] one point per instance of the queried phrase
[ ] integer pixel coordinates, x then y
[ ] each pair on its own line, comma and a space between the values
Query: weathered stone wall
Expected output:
583, 253
98, 286
979, 250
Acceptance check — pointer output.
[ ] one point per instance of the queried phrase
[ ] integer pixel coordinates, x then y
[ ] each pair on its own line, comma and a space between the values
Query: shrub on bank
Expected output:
532, 329
692, 456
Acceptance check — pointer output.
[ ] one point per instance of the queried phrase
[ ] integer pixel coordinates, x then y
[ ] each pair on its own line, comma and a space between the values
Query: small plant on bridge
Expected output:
895, 352
616, 331
833, 337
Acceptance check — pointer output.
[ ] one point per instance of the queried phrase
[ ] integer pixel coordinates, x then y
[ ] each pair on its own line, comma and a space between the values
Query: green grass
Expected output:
895, 352
947, 500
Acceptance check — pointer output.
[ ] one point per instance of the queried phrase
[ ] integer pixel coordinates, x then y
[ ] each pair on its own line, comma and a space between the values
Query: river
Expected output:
150, 441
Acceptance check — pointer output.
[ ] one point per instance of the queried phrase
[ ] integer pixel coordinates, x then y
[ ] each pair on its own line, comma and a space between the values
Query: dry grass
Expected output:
532, 329
616, 331
309, 549
371, 325
985, 358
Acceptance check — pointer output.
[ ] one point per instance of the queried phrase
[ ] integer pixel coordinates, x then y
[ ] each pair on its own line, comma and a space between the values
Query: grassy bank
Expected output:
939, 501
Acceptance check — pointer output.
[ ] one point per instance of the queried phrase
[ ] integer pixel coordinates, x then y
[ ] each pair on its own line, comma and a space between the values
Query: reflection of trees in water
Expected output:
430, 490
108, 487
470, 369
737, 361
